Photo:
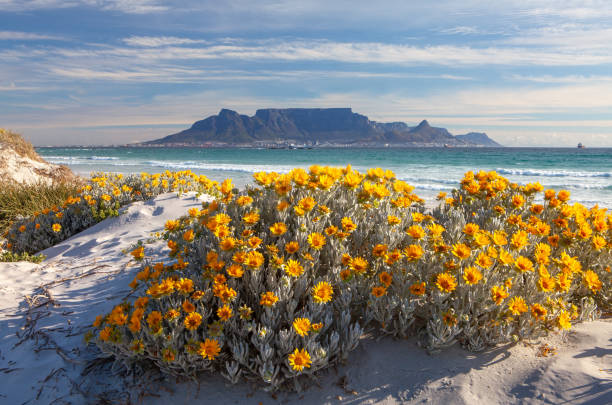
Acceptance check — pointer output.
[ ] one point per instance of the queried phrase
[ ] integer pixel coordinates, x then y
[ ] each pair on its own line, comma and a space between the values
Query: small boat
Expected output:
580, 145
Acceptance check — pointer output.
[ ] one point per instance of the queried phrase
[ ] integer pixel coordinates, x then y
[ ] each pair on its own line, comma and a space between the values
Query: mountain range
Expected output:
314, 126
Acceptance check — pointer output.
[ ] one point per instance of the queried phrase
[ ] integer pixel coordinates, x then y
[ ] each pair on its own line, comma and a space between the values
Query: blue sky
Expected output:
529, 73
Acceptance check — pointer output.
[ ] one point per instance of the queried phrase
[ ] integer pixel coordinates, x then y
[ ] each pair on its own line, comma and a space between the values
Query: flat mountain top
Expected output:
314, 126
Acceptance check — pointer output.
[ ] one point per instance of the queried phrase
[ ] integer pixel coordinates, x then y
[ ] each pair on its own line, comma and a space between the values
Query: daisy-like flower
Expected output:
278, 229
224, 313
378, 291
299, 359
413, 252
461, 250
471, 275
316, 240
322, 292
523, 264
538, 312
193, 321
446, 282
56, 228
564, 320
209, 349
268, 299
416, 231
385, 278
358, 264
517, 305
348, 225
498, 294
591, 280
294, 268
418, 288
292, 247
302, 326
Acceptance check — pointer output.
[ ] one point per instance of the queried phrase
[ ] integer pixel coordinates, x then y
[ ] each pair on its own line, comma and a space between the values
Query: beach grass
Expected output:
19, 145
22, 200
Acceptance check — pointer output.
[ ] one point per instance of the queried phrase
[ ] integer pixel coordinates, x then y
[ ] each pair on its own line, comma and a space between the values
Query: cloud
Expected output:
325, 50
462, 30
26, 36
125, 6
160, 41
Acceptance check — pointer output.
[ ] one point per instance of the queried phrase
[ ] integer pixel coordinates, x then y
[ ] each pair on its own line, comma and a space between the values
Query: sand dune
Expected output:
46, 308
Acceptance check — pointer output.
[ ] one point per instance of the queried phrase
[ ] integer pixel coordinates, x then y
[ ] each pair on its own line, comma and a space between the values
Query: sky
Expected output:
100, 72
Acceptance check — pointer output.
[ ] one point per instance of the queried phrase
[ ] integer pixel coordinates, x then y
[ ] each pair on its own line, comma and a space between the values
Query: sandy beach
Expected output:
45, 309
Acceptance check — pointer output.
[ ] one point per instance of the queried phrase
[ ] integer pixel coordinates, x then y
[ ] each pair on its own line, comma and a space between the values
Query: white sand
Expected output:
22, 169
88, 274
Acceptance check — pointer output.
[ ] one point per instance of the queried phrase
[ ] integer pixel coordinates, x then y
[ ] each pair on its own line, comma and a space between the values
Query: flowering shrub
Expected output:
277, 282
100, 198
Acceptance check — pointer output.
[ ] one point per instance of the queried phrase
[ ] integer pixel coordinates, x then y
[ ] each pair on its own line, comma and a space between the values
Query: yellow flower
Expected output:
193, 321
471, 229
254, 259
56, 228
228, 243
294, 268
518, 200
461, 250
299, 360
546, 284
188, 235
499, 238
184, 285
413, 252
416, 231
446, 282
171, 225
385, 278
235, 270
378, 291
278, 228
188, 307
379, 250
302, 326
517, 305
224, 313
209, 349
348, 225
138, 253
563, 196
498, 294
292, 247
244, 200
564, 320
538, 312
268, 299
322, 292
418, 288
358, 265
519, 240
484, 261
393, 220
250, 218
523, 264
316, 240
154, 320
471, 275
591, 280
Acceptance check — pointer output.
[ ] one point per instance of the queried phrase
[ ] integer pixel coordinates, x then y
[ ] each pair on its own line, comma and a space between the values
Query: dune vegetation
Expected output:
277, 282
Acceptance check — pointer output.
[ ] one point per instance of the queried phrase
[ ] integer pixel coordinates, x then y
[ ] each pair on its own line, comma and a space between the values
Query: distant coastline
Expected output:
313, 127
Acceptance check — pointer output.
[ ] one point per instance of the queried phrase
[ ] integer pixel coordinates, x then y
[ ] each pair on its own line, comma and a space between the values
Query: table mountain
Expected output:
333, 126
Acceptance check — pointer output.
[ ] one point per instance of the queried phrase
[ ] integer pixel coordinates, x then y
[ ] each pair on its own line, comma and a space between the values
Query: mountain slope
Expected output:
311, 126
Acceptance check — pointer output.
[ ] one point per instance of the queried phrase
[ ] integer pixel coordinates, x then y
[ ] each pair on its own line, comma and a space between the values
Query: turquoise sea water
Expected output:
587, 173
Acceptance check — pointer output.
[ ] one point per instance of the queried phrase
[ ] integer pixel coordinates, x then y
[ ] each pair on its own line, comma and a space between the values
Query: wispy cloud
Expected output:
27, 36
126, 6
160, 41
346, 52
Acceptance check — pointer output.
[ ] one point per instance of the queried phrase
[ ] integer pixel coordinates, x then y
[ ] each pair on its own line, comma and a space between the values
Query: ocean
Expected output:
587, 173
